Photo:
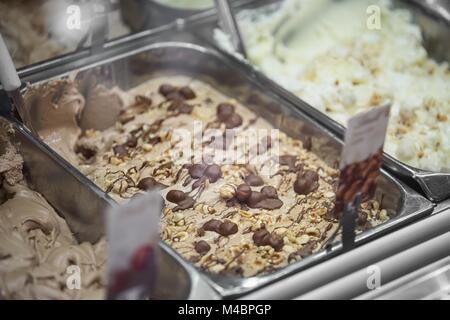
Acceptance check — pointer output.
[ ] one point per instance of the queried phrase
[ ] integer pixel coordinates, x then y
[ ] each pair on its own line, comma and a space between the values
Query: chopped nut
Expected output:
147, 147
227, 192
245, 214
115, 161
314, 232
276, 258
304, 238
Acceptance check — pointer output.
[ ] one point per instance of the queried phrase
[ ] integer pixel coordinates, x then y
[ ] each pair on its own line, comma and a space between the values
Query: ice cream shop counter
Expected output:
224, 149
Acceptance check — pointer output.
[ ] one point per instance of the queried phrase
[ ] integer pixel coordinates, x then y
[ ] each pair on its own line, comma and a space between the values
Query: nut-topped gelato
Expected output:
243, 217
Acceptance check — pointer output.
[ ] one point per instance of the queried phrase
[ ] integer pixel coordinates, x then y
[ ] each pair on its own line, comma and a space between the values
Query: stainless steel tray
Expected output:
434, 19
177, 280
230, 78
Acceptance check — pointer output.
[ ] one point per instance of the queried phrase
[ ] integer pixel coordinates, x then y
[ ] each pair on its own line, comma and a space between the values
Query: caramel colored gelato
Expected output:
242, 218
37, 249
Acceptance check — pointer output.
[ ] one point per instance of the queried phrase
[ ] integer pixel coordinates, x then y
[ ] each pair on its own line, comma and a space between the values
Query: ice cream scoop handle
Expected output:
8, 74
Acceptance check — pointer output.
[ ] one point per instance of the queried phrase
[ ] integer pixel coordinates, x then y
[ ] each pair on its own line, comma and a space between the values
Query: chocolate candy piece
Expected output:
187, 93
270, 192
243, 192
225, 111
176, 196
202, 247
227, 228
184, 204
262, 237
148, 184
254, 180
255, 198
288, 160
120, 150
212, 225
166, 89
306, 182
234, 121
269, 204
132, 142
213, 172
197, 170
276, 242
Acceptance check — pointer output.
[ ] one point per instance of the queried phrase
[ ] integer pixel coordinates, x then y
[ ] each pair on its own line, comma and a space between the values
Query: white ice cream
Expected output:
324, 51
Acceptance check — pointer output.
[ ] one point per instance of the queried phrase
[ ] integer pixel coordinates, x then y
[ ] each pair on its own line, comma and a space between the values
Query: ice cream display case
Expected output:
164, 109
237, 242
342, 57
42, 33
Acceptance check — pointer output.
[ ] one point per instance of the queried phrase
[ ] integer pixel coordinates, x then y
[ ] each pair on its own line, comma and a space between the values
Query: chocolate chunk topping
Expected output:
255, 198
306, 182
148, 184
270, 192
243, 192
197, 170
227, 228
187, 93
213, 172
289, 161
269, 204
224, 111
180, 107
166, 89
262, 237
176, 196
120, 150
212, 225
254, 180
234, 121
132, 142
202, 247
185, 204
